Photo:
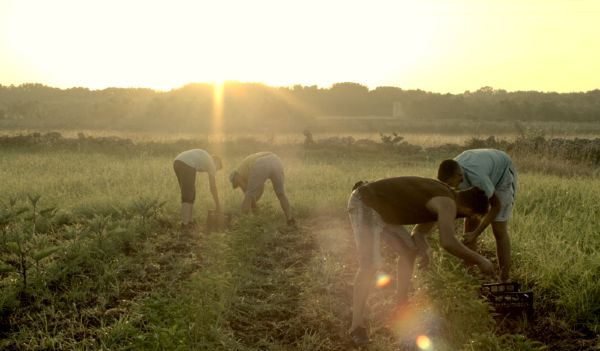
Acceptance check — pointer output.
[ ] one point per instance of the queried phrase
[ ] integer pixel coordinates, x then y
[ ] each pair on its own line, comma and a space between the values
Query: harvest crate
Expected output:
500, 287
217, 221
508, 300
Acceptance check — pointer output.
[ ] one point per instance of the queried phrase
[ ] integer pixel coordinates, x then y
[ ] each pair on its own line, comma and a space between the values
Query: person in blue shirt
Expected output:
494, 172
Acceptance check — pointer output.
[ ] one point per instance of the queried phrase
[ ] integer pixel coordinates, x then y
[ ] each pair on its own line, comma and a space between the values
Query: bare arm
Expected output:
445, 208
486, 220
213, 190
246, 204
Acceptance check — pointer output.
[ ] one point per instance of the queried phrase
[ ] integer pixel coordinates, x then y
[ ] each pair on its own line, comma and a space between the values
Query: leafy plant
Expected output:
20, 250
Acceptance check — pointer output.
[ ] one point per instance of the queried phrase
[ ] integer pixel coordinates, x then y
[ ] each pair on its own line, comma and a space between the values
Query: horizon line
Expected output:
290, 86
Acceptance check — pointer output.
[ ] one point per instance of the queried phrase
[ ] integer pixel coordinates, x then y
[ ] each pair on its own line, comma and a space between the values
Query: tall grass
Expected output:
555, 235
305, 305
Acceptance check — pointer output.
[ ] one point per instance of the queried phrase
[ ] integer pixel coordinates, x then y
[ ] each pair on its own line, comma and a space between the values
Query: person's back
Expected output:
402, 200
484, 168
243, 169
198, 159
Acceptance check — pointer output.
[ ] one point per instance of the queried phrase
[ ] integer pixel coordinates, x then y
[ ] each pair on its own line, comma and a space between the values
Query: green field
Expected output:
108, 267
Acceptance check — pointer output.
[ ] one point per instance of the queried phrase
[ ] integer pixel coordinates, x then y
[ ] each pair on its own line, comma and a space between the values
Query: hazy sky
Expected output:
434, 45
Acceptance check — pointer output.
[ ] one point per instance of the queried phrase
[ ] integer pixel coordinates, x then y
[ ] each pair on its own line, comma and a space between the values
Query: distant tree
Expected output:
347, 99
254, 106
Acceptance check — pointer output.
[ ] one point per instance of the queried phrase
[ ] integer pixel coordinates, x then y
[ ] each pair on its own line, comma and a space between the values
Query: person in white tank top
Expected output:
186, 165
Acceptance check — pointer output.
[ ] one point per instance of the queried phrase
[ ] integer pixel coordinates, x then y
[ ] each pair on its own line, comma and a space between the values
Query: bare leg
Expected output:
500, 230
366, 241
285, 205
363, 281
406, 265
400, 239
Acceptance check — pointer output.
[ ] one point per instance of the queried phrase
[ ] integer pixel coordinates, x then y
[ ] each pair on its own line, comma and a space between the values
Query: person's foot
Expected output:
359, 336
291, 222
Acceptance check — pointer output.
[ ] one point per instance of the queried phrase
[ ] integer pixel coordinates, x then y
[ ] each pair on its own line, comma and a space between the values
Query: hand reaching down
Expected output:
486, 266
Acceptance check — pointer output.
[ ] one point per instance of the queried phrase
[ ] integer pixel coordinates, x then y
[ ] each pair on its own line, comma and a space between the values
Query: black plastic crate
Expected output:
508, 301
500, 287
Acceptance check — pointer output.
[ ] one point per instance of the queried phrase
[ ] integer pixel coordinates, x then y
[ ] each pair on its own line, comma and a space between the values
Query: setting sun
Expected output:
431, 45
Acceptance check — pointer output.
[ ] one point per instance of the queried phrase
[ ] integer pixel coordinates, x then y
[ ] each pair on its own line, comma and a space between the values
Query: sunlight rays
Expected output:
217, 112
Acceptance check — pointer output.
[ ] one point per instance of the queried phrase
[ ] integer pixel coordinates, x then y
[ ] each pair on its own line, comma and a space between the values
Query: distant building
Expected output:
398, 110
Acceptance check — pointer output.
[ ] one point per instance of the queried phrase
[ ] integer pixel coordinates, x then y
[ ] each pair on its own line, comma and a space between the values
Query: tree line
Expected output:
255, 106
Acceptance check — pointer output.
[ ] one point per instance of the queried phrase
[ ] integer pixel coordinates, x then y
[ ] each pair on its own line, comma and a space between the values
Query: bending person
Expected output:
251, 175
494, 172
381, 209
186, 165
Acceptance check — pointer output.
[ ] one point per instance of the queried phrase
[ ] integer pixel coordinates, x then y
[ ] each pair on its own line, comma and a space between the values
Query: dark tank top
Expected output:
402, 200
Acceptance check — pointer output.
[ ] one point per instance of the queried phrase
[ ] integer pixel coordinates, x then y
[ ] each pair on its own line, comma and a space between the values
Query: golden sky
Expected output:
433, 45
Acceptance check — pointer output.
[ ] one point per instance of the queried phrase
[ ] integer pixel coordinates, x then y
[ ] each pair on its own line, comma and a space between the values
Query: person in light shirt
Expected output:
251, 175
494, 172
186, 165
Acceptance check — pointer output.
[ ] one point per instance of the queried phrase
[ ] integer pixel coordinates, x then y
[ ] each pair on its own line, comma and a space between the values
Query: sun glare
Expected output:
217, 113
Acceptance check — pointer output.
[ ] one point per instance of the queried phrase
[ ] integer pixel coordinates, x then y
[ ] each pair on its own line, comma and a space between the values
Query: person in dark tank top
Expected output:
380, 209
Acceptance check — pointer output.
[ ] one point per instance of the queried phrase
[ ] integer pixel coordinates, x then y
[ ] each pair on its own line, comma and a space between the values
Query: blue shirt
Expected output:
486, 169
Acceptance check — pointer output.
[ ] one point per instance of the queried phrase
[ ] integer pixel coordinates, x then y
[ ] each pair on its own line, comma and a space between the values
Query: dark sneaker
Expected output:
291, 222
359, 336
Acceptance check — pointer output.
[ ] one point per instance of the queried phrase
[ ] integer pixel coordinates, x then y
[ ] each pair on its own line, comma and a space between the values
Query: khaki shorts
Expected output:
506, 193
368, 228
264, 168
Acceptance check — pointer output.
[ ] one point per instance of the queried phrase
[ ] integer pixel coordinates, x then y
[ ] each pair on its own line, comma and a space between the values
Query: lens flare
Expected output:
415, 323
383, 280
423, 342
